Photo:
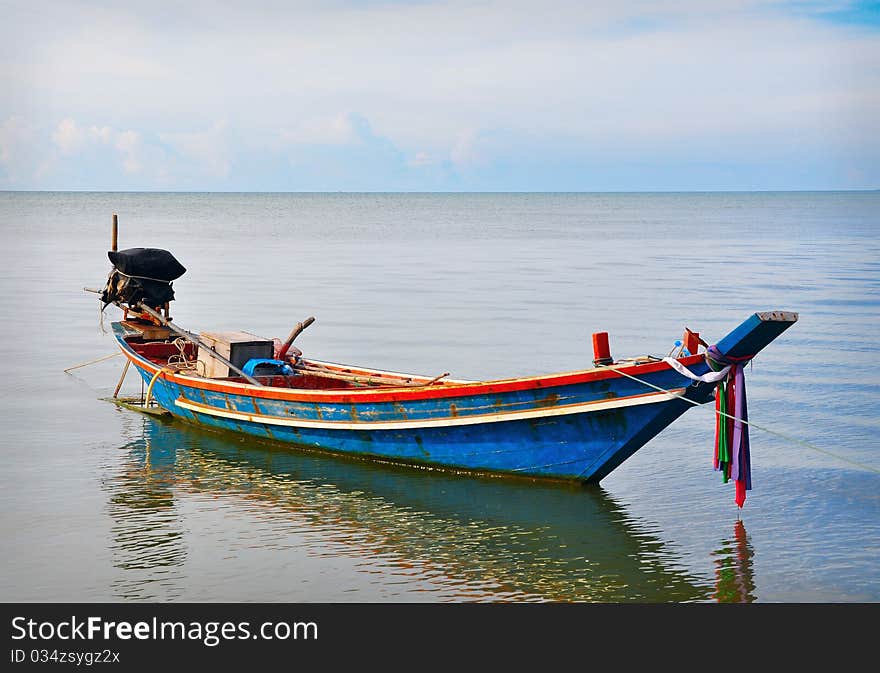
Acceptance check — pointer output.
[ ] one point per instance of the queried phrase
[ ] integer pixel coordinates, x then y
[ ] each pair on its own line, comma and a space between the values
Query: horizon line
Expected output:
390, 191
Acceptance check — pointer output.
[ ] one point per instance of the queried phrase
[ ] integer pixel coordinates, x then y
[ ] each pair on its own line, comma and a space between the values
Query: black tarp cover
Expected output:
141, 274
151, 263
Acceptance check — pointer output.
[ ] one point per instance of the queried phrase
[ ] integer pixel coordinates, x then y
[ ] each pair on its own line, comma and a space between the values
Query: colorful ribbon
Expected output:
732, 455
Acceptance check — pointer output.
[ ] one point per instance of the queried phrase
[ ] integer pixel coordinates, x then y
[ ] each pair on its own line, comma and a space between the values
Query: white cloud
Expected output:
337, 129
422, 159
206, 150
448, 80
69, 137
103, 135
464, 149
129, 145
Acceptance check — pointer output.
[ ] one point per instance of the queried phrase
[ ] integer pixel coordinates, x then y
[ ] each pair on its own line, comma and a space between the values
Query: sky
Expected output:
627, 95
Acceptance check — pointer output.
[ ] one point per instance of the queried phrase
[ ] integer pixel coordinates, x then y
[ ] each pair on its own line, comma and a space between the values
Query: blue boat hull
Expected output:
575, 426
583, 447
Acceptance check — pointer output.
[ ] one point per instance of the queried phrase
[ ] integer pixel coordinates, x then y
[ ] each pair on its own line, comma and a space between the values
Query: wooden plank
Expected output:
236, 337
136, 404
148, 332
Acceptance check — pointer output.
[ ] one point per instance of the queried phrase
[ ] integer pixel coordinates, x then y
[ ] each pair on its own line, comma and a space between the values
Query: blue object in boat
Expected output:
267, 367
684, 352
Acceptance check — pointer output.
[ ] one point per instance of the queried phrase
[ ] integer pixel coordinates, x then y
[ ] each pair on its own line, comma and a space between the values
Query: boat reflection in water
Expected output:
148, 530
456, 538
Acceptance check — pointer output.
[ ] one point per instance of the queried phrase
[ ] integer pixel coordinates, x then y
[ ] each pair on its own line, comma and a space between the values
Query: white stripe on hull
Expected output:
585, 407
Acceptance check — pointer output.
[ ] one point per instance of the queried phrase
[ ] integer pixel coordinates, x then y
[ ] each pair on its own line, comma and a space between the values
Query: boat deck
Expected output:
310, 374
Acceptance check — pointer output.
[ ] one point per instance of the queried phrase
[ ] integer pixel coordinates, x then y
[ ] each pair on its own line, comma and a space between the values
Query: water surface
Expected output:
101, 503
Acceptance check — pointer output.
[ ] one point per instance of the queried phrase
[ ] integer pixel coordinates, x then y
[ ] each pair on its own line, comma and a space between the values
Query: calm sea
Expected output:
102, 504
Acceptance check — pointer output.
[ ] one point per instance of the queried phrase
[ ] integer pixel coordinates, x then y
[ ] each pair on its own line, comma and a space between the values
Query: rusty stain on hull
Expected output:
549, 400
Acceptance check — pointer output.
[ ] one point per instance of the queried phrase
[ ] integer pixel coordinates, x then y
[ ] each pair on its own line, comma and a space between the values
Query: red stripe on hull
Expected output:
405, 394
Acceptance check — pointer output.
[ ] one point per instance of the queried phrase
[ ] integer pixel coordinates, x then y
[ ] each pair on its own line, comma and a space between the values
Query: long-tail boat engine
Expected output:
141, 275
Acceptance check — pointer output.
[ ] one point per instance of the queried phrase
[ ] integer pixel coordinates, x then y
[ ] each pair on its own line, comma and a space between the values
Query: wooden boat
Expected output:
576, 425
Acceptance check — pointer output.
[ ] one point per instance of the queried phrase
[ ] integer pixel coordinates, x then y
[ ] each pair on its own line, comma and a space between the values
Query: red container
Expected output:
601, 350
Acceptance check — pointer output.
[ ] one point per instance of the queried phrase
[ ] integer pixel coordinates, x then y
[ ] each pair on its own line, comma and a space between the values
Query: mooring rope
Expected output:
749, 423
91, 362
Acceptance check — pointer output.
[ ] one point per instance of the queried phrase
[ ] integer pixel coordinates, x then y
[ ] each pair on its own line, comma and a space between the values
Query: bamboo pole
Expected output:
369, 379
436, 378
356, 378
121, 378
114, 238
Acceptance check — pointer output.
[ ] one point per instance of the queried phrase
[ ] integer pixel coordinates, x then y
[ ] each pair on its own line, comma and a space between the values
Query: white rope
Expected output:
158, 280
179, 361
101, 320
749, 423
92, 362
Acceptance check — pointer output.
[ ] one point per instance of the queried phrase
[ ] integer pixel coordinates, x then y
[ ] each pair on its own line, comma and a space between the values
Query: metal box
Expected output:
237, 347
